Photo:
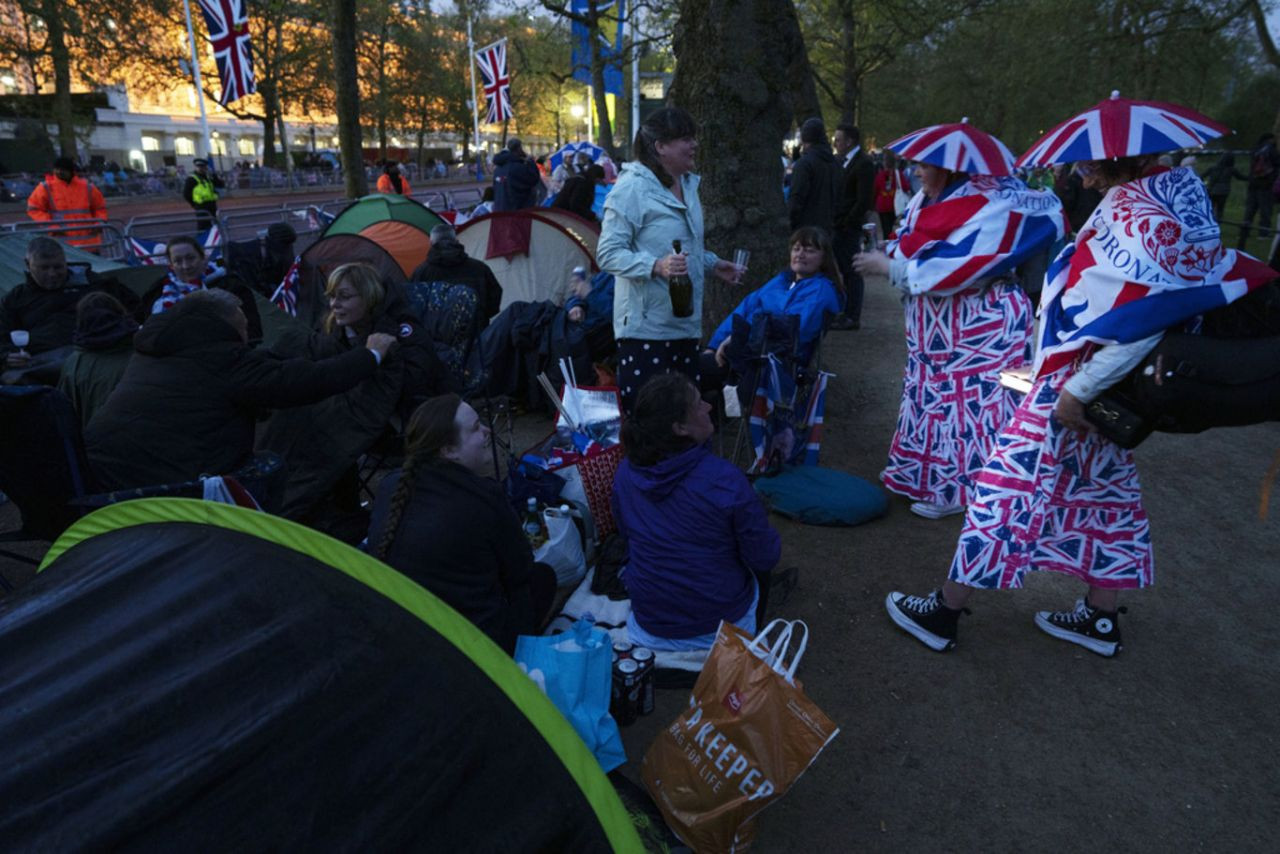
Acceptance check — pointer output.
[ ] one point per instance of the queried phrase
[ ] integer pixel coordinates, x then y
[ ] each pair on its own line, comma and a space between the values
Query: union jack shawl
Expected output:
982, 228
1149, 259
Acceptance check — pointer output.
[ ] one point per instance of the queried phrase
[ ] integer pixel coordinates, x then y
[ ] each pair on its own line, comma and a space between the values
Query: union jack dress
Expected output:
966, 321
1049, 498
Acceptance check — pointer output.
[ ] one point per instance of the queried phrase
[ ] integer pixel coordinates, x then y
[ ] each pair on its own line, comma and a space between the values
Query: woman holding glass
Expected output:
654, 203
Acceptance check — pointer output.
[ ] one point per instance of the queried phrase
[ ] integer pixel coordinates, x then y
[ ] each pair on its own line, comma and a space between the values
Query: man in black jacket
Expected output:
515, 178
447, 261
816, 180
45, 304
187, 403
851, 213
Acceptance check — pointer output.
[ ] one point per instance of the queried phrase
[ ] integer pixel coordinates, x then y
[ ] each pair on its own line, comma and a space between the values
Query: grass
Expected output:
1258, 247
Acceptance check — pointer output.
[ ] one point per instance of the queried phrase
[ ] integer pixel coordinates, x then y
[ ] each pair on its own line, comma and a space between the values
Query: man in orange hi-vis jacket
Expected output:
63, 197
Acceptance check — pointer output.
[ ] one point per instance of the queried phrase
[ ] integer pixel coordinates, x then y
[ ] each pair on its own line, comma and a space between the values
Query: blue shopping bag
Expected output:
575, 670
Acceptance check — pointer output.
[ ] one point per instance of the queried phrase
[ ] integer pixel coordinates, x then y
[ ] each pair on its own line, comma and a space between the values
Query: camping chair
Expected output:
44, 470
774, 386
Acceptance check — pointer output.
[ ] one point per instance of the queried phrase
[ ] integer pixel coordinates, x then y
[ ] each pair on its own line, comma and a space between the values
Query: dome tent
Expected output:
531, 255
398, 224
185, 673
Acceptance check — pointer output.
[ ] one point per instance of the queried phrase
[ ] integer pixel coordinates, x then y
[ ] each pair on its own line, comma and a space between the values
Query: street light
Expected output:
579, 114
217, 149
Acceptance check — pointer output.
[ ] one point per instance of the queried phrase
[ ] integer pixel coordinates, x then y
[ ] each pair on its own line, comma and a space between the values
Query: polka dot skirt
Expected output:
639, 360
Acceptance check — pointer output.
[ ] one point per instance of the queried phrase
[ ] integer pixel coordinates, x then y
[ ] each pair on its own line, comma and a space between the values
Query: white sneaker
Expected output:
935, 511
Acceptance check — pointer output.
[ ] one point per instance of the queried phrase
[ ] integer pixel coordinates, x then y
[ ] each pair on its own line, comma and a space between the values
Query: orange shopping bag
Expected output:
748, 733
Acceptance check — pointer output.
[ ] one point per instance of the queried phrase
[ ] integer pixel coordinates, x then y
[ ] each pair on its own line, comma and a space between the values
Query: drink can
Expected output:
624, 694
623, 649
644, 658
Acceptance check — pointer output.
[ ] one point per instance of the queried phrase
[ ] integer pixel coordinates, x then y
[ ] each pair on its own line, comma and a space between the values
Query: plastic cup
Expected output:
20, 338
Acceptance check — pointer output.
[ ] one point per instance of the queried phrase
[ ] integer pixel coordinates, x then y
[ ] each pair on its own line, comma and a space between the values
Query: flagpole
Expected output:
591, 115
195, 70
635, 74
471, 68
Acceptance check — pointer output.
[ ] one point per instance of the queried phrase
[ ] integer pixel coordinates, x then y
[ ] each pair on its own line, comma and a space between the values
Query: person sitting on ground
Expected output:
44, 305
579, 193
190, 271
810, 288
444, 524
701, 546
322, 443
447, 261
103, 346
189, 400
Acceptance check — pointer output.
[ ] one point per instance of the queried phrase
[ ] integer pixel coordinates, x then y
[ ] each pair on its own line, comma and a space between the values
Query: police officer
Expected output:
201, 192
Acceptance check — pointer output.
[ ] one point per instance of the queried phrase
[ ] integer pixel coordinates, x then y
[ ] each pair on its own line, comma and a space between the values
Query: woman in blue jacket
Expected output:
809, 288
700, 540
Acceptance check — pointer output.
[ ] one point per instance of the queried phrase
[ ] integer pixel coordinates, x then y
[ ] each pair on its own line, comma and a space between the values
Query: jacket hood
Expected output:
660, 480
822, 152
101, 329
446, 253
186, 326
503, 157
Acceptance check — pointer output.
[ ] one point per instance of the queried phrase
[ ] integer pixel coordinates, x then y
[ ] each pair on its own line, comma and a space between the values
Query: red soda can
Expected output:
624, 696
644, 658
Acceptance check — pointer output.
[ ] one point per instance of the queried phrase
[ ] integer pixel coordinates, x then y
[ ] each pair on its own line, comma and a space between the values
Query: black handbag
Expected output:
1116, 417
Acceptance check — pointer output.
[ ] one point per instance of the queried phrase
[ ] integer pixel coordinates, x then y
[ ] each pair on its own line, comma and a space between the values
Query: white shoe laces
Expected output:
1083, 613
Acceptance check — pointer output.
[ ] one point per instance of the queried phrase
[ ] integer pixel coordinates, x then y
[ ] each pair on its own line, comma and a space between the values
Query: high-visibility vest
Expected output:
67, 202
204, 191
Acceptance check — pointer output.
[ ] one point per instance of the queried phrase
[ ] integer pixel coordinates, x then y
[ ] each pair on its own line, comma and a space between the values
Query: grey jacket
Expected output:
641, 218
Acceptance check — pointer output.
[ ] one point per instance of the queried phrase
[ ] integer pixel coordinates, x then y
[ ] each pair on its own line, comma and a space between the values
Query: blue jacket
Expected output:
696, 531
641, 218
808, 298
514, 181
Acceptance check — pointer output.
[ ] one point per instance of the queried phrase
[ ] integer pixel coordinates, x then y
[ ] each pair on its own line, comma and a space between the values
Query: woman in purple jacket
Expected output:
700, 540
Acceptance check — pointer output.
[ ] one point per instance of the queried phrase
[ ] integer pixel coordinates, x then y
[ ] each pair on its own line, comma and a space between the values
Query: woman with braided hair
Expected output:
441, 522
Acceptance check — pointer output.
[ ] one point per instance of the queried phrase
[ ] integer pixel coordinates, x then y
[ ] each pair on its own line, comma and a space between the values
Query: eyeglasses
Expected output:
343, 296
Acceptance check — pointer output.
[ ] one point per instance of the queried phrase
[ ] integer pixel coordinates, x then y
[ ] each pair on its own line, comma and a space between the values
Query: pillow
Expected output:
820, 496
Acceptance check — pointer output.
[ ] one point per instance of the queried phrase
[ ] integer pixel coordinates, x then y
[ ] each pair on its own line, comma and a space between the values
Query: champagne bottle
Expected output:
681, 289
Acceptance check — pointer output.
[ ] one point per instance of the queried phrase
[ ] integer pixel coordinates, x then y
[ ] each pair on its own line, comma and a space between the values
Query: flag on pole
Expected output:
497, 82
228, 22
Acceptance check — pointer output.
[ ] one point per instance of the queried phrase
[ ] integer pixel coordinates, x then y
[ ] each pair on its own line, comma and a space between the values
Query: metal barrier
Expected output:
102, 237
140, 231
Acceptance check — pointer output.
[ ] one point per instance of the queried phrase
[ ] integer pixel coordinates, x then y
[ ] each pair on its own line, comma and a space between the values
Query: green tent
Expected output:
13, 264
190, 675
370, 210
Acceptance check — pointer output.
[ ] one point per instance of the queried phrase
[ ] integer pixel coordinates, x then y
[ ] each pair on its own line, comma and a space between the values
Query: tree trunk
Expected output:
51, 12
346, 88
744, 108
600, 99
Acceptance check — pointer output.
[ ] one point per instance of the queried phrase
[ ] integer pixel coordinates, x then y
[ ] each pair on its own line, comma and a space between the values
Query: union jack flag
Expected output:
1150, 258
497, 82
228, 22
981, 228
809, 430
286, 296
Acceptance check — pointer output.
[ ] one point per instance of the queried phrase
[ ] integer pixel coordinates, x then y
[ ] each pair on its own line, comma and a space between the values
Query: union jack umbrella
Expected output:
960, 147
497, 82
228, 23
569, 151
1119, 127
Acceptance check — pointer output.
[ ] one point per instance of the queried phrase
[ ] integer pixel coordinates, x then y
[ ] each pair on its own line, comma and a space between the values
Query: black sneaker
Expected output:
932, 623
1092, 628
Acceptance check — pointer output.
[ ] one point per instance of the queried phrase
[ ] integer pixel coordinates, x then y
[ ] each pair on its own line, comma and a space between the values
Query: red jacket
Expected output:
884, 188
55, 200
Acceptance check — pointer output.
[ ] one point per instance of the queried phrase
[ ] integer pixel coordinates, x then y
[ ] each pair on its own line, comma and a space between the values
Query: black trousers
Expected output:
846, 244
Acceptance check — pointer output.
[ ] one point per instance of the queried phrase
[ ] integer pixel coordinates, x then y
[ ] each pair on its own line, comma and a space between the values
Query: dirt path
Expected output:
1015, 741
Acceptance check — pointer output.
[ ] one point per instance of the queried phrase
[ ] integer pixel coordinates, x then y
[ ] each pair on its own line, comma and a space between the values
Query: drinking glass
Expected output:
740, 259
20, 338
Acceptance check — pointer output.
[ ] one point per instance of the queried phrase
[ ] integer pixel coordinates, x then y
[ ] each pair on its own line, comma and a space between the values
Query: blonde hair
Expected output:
364, 278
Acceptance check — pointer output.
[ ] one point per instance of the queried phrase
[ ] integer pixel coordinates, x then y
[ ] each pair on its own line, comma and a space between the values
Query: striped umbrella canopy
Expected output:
960, 147
571, 149
1119, 127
